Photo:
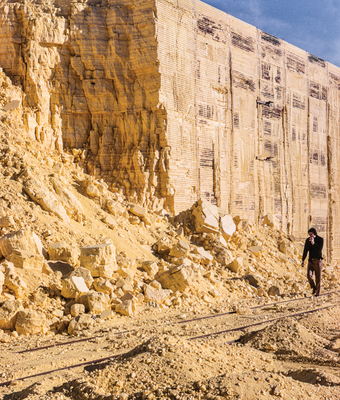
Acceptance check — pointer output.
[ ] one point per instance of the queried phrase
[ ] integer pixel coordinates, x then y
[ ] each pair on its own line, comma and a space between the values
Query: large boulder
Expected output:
27, 260
94, 302
23, 239
175, 278
73, 287
206, 217
64, 252
227, 226
100, 260
156, 295
8, 314
13, 281
30, 322
80, 323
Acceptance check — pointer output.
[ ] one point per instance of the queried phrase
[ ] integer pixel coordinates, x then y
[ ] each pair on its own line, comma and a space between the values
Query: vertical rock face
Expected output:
175, 101
91, 79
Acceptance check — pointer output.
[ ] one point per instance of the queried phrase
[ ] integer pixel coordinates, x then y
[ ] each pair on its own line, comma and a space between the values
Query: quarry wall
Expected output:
175, 101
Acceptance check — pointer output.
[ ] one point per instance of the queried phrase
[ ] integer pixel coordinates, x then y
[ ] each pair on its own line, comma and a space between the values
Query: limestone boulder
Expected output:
156, 295
83, 273
127, 308
180, 249
61, 251
150, 267
77, 309
176, 278
14, 282
224, 257
100, 260
103, 285
79, 324
163, 246
139, 211
30, 322
27, 260
206, 217
227, 226
73, 287
94, 302
8, 314
110, 222
47, 200
21, 240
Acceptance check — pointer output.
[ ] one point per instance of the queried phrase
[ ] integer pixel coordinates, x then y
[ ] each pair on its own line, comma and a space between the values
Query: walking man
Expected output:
313, 246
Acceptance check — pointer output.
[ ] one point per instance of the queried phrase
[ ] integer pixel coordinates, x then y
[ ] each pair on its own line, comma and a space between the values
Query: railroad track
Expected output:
265, 321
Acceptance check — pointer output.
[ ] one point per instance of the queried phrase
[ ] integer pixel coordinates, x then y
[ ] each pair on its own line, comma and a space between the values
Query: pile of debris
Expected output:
73, 252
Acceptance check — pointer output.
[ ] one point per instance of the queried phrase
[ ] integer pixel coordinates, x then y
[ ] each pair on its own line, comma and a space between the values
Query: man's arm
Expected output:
305, 251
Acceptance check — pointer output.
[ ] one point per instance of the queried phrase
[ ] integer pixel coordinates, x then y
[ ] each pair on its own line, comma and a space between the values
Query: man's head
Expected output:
312, 231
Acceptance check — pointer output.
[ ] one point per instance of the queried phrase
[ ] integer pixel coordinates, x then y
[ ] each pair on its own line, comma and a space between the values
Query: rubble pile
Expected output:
74, 253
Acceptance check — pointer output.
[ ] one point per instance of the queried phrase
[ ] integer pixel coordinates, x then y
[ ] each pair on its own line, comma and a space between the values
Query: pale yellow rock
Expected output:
73, 287
94, 302
8, 314
255, 250
45, 198
77, 309
100, 260
22, 240
156, 295
14, 282
30, 322
163, 246
79, 323
64, 252
224, 257
84, 273
206, 217
110, 222
137, 210
103, 285
180, 249
150, 267
126, 308
26, 260
227, 226
176, 278
206, 257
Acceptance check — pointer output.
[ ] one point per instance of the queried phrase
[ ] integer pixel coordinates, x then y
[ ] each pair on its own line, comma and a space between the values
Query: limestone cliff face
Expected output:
173, 100
90, 75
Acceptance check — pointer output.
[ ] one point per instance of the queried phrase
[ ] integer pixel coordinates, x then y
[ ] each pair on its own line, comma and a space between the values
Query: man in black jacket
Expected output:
313, 246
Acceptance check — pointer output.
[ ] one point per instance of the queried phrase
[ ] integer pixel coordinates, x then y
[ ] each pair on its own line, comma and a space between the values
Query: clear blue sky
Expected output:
312, 25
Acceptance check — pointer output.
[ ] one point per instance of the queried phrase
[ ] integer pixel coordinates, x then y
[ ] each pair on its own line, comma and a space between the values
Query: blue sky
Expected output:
312, 25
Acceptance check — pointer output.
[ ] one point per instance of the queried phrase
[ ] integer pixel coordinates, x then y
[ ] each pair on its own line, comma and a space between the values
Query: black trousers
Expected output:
314, 266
